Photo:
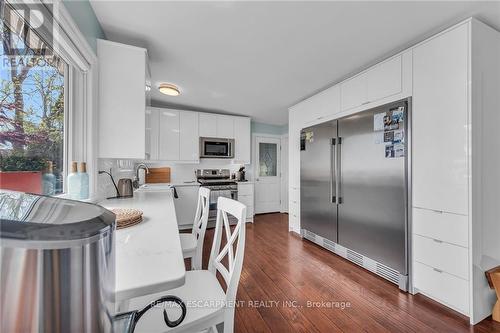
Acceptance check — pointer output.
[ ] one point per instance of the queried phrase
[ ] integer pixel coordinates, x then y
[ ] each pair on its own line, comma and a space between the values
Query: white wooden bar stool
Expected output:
192, 244
206, 302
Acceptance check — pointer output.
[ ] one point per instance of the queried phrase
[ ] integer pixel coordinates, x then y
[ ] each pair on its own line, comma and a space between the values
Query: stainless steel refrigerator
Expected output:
354, 188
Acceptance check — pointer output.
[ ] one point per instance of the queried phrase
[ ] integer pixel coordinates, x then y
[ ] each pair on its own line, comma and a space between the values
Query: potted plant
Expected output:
22, 173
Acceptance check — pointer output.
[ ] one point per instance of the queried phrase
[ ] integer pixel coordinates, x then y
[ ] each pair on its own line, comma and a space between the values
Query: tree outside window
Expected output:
32, 110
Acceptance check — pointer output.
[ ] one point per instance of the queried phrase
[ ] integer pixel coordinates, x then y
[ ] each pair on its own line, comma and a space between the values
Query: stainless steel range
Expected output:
221, 185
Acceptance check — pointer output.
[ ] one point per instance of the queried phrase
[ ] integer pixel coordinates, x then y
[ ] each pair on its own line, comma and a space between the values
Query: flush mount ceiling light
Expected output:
169, 89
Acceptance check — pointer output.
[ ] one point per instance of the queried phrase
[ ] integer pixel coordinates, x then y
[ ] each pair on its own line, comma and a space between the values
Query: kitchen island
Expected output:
148, 255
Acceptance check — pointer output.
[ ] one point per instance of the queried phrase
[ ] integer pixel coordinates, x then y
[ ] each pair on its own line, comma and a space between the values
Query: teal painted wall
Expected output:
268, 128
82, 13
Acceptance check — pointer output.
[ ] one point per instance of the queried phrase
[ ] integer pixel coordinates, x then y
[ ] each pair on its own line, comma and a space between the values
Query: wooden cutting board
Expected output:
158, 175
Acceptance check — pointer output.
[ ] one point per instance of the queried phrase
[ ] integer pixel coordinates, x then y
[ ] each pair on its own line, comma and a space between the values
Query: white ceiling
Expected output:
259, 58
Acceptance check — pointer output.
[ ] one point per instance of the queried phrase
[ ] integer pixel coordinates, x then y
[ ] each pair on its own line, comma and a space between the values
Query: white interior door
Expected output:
267, 175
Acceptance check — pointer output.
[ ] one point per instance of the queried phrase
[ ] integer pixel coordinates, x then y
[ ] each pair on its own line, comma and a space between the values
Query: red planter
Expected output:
23, 181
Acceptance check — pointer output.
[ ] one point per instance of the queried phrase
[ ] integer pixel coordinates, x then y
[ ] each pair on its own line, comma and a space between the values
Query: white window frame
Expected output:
80, 131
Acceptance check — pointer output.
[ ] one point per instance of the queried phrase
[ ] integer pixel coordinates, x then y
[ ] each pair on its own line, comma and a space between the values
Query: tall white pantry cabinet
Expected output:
455, 189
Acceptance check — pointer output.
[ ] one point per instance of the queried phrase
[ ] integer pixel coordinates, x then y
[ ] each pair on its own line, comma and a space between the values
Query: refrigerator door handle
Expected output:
337, 170
333, 170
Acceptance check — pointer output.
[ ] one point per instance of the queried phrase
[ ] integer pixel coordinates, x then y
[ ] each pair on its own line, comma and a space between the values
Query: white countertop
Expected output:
148, 255
246, 182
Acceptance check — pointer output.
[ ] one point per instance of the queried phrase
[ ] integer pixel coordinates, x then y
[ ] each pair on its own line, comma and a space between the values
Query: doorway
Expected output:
267, 174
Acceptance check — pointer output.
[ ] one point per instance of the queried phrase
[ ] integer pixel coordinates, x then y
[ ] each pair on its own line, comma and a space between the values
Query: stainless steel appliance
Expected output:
57, 265
216, 148
354, 188
220, 184
125, 187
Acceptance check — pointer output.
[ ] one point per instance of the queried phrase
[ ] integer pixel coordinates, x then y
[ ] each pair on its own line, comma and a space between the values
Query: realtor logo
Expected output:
23, 26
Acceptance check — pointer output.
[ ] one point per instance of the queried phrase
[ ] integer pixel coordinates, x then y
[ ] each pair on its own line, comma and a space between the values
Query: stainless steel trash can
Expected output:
57, 267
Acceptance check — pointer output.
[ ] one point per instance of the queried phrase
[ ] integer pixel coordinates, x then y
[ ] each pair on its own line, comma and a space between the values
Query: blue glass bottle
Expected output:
49, 180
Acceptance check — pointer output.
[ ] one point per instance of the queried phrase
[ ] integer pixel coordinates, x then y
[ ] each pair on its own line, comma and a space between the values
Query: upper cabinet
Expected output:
242, 140
169, 138
440, 131
123, 75
188, 136
225, 126
174, 135
319, 107
380, 81
208, 122
216, 126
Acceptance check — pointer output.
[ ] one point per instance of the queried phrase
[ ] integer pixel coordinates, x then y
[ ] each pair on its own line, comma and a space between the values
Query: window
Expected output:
268, 157
56, 101
32, 109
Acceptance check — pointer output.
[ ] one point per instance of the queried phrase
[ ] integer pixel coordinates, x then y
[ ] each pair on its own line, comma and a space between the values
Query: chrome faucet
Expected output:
139, 166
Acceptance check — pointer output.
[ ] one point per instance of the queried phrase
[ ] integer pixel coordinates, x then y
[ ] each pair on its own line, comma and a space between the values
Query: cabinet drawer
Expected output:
247, 200
245, 189
447, 257
446, 288
451, 228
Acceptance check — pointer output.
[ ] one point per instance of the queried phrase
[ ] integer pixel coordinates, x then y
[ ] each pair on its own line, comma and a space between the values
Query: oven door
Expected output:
215, 193
216, 148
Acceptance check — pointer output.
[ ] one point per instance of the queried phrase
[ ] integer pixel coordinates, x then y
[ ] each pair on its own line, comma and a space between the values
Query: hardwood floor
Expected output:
291, 285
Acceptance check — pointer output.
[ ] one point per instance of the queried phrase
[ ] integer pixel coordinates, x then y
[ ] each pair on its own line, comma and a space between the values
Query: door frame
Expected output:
255, 167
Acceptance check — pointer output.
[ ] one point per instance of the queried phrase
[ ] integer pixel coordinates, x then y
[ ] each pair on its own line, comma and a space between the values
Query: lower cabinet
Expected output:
441, 257
246, 197
185, 205
442, 286
294, 209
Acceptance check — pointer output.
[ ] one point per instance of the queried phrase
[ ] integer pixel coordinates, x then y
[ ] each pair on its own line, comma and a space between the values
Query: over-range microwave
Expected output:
216, 148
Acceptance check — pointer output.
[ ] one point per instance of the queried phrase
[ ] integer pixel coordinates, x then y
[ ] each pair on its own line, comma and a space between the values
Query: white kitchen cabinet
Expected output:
451, 228
208, 125
246, 197
216, 126
225, 126
185, 205
378, 82
384, 80
440, 124
450, 258
242, 139
168, 141
123, 73
152, 131
174, 135
456, 186
188, 137
443, 287
353, 92
320, 107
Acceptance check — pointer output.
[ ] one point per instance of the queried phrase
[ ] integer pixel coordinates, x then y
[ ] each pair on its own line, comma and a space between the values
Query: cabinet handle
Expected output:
367, 102
438, 211
437, 270
437, 240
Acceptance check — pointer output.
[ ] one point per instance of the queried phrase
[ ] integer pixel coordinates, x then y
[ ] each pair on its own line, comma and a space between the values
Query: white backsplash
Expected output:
179, 172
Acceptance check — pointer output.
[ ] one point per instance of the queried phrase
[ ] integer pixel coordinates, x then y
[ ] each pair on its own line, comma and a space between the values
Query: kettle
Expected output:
125, 188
